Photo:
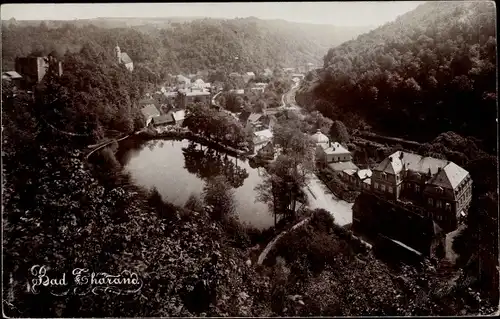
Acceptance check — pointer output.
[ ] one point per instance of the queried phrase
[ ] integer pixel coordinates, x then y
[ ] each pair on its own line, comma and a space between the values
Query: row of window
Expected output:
439, 203
385, 177
382, 187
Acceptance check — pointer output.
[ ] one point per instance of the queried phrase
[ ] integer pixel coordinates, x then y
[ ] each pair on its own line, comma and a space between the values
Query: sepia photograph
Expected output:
249, 159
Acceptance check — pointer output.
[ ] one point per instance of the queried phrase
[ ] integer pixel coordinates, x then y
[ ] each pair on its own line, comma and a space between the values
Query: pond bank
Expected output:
186, 134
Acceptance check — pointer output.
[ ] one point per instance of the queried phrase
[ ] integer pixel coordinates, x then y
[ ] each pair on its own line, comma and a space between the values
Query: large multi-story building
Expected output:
194, 95
442, 188
329, 152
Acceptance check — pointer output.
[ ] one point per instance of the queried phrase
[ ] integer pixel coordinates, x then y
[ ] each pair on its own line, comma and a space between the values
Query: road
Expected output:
319, 196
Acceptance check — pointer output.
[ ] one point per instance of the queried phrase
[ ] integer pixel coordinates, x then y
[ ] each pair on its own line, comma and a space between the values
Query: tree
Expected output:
338, 133
219, 196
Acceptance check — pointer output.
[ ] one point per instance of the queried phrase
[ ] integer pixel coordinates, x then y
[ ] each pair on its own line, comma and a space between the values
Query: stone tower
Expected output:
118, 54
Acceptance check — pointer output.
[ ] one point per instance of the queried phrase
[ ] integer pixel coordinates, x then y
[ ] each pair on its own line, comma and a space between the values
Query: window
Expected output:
447, 206
390, 189
376, 185
430, 201
438, 203
382, 187
417, 188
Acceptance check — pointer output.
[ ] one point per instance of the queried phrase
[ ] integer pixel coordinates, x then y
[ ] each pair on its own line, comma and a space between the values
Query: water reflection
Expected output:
207, 163
179, 168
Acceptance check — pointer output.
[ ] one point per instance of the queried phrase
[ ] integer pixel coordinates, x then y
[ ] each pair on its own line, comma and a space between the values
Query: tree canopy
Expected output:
431, 70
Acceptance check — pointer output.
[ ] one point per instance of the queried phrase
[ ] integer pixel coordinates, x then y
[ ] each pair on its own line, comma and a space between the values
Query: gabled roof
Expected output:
197, 93
179, 115
449, 177
163, 119
125, 58
147, 101
335, 149
150, 111
250, 74
350, 172
254, 117
243, 117
364, 173
394, 163
367, 181
264, 133
181, 78
267, 119
199, 81
13, 75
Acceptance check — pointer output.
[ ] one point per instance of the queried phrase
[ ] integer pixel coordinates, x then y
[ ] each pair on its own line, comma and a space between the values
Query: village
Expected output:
434, 189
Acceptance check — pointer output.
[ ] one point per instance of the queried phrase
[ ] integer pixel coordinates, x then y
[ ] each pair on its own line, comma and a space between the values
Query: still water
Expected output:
180, 168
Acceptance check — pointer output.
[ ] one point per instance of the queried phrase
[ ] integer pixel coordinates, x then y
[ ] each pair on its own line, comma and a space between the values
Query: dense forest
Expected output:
432, 70
182, 46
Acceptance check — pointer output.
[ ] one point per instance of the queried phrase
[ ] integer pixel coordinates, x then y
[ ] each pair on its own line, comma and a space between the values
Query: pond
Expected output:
180, 168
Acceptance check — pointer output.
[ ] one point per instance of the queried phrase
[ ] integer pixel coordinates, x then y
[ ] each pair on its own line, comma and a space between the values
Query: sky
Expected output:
336, 13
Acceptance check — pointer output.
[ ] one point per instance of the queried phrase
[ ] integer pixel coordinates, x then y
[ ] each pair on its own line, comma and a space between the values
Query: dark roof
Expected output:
145, 102
150, 111
126, 59
244, 116
163, 119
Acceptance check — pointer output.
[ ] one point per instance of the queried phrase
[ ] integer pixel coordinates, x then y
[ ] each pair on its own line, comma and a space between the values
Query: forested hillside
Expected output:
171, 46
432, 70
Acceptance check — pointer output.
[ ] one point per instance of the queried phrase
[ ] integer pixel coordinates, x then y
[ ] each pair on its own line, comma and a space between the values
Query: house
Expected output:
258, 121
295, 80
309, 67
328, 152
234, 75
165, 119
182, 82
300, 76
124, 59
439, 186
262, 136
238, 91
194, 96
259, 87
289, 70
179, 117
357, 177
268, 73
171, 97
33, 69
248, 76
199, 83
149, 112
13, 77
266, 152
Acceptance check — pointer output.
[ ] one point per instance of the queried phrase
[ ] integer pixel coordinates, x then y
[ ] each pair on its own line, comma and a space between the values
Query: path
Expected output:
451, 255
269, 246
105, 144
319, 196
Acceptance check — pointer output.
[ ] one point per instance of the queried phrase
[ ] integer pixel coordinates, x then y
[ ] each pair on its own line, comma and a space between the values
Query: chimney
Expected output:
401, 155
390, 159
